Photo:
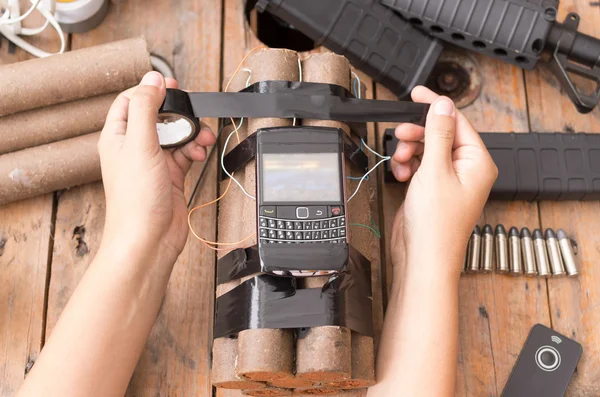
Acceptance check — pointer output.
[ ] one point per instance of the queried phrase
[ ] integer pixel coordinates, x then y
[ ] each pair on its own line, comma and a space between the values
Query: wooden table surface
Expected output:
46, 243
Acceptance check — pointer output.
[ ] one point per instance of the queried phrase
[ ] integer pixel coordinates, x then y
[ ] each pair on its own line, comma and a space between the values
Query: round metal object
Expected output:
457, 76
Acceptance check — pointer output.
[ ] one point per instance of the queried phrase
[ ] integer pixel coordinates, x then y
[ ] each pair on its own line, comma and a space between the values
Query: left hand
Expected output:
146, 211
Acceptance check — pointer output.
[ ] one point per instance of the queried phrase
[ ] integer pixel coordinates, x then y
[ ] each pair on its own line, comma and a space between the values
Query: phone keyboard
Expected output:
273, 230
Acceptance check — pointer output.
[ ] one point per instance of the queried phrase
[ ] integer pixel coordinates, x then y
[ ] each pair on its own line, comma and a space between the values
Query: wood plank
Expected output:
495, 311
176, 359
25, 239
574, 303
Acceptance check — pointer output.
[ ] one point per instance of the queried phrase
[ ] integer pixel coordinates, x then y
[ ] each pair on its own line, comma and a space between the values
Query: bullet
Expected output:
528, 255
514, 251
487, 249
466, 260
474, 251
541, 254
556, 263
567, 253
501, 250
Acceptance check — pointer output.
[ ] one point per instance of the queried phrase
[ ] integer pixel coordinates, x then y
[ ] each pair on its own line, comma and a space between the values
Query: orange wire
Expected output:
206, 242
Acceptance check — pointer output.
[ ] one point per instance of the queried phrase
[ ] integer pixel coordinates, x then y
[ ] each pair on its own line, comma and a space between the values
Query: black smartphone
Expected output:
545, 366
301, 201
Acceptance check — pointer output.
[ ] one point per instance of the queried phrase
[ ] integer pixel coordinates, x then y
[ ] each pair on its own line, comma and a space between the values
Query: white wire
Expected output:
10, 35
365, 175
6, 20
235, 130
223, 157
33, 32
362, 141
300, 80
357, 93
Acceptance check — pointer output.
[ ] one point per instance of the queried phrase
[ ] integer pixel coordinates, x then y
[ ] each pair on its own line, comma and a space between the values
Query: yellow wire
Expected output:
206, 242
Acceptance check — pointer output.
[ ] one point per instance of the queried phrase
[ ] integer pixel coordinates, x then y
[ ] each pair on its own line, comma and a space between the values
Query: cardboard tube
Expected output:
225, 350
54, 123
292, 383
225, 354
265, 354
73, 75
316, 391
268, 392
363, 369
44, 169
324, 354
334, 69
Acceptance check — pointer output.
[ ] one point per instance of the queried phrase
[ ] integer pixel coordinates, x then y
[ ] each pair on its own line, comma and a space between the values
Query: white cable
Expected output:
300, 80
367, 174
33, 32
8, 33
383, 159
249, 75
357, 93
235, 130
223, 162
6, 20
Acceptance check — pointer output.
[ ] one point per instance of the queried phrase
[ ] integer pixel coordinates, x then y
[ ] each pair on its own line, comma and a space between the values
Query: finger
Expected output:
409, 132
206, 136
171, 83
404, 171
423, 94
465, 133
194, 151
407, 150
143, 110
440, 128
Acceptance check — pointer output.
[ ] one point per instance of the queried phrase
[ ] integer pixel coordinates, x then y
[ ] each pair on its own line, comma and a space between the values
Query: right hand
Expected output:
452, 175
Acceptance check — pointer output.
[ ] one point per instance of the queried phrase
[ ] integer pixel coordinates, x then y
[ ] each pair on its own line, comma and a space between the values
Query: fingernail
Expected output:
444, 107
152, 78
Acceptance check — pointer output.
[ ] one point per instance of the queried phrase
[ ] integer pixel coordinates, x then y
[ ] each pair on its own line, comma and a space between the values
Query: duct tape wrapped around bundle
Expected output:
269, 301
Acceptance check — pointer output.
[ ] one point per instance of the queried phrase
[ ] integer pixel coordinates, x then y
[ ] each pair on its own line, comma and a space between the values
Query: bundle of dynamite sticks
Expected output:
275, 362
51, 112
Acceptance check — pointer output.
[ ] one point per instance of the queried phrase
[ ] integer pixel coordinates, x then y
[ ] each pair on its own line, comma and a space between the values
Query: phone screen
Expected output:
301, 177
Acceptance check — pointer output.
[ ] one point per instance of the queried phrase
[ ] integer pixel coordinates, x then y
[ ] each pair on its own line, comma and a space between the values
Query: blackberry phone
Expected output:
300, 197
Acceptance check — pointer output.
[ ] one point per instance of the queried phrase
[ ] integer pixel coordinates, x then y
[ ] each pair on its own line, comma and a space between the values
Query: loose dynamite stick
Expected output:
268, 392
44, 169
225, 350
265, 354
54, 123
73, 75
324, 353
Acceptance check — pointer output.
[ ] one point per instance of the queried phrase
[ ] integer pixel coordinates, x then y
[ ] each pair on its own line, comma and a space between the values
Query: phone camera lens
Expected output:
547, 358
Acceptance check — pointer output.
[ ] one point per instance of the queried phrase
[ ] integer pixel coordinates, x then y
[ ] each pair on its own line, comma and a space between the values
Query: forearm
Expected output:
101, 333
418, 354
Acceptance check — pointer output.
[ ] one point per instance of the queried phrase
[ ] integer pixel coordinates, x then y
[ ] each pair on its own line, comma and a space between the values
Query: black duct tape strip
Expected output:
537, 166
268, 301
246, 151
291, 105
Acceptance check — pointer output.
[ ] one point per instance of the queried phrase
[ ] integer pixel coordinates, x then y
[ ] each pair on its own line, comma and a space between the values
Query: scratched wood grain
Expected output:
574, 303
238, 40
176, 359
25, 240
495, 311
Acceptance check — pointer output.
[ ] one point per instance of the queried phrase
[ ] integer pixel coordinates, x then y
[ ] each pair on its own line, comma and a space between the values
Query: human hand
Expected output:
452, 175
146, 210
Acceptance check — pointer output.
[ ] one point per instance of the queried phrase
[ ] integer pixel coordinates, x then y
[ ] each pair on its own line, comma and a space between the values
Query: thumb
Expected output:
440, 129
143, 109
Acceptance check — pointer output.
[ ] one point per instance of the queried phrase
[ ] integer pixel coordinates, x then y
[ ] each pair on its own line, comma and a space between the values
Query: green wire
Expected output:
368, 227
